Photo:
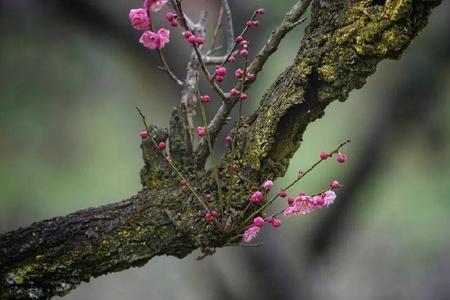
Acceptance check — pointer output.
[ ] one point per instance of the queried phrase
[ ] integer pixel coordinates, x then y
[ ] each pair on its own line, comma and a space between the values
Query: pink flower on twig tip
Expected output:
139, 19
250, 233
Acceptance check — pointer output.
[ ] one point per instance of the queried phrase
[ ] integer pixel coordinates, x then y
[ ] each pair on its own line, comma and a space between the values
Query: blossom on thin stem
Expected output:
341, 158
139, 19
155, 40
250, 233
257, 197
154, 5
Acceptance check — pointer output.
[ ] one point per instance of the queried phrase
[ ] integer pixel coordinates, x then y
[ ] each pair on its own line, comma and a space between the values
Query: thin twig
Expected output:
214, 166
229, 25
216, 31
165, 66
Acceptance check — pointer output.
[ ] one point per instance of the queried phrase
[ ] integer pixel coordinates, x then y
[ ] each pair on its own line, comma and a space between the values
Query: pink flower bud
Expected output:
234, 92
192, 40
228, 139
139, 19
209, 217
143, 134
244, 44
270, 220
257, 197
239, 73
162, 146
214, 213
324, 155
258, 222
335, 184
170, 16
239, 39
201, 131
154, 5
255, 23
268, 184
218, 78
183, 182
283, 194
276, 223
243, 96
174, 23
199, 40
290, 200
249, 24
318, 200
208, 197
235, 166
260, 11
187, 34
232, 59
250, 76
341, 158
221, 71
205, 98
243, 53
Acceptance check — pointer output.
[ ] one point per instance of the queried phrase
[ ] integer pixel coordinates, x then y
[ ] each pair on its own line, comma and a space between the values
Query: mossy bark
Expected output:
341, 48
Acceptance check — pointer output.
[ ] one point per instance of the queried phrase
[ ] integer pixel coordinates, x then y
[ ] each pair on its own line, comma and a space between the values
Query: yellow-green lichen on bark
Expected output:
341, 48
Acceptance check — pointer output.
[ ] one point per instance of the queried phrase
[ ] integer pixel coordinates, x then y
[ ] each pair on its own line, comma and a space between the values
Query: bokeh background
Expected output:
71, 74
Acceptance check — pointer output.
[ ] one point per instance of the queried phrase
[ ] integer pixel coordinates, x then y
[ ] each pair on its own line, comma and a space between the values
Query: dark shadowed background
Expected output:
71, 74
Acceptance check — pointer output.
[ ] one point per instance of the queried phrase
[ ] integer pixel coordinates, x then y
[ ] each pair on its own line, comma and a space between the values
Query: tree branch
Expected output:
341, 48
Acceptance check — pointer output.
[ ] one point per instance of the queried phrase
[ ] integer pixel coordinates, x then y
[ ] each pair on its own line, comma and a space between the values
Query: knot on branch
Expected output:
156, 168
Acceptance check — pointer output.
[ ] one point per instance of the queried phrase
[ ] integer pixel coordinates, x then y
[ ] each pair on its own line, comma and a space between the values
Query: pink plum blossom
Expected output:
155, 40
201, 131
257, 197
258, 221
154, 5
302, 205
329, 197
250, 233
341, 158
139, 19
268, 184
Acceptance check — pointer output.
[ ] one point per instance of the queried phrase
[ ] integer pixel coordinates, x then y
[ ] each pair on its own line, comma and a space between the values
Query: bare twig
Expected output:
165, 66
229, 25
216, 31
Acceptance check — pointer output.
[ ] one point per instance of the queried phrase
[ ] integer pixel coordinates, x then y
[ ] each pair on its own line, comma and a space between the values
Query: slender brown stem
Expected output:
216, 31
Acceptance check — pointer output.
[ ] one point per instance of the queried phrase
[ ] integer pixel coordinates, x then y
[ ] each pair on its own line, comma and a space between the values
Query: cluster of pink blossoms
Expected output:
301, 205
140, 20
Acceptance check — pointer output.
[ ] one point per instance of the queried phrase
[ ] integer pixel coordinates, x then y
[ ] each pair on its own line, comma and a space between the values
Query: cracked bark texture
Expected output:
342, 46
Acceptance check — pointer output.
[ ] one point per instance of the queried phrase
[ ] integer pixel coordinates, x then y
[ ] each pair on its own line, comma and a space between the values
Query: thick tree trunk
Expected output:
342, 46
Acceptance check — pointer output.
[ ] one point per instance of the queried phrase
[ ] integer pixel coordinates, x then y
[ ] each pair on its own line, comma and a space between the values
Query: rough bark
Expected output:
341, 48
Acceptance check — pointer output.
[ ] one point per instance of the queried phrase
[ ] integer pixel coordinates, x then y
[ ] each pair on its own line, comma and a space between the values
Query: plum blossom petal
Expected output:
250, 233
154, 5
154, 40
139, 19
329, 197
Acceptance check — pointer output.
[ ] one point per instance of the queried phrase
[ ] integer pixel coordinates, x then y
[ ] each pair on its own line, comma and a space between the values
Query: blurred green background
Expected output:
71, 74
